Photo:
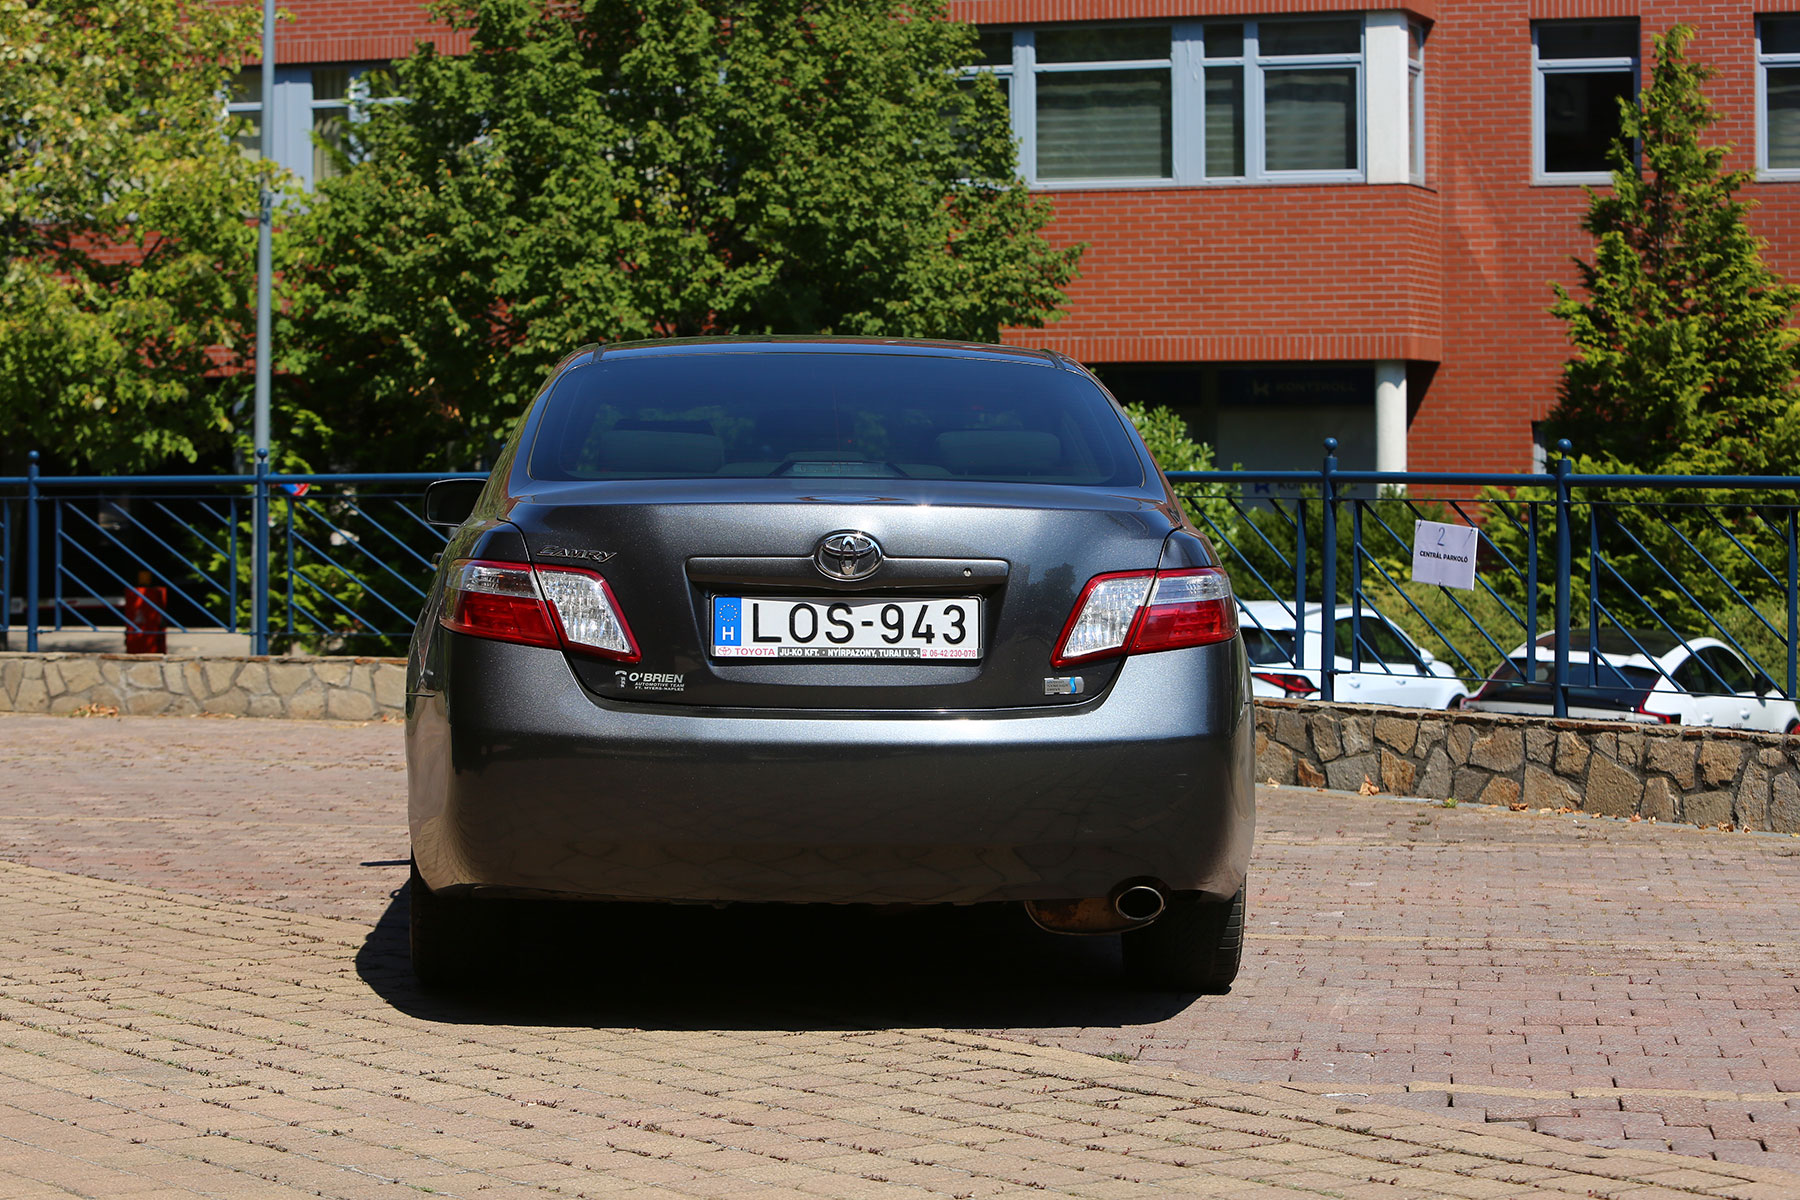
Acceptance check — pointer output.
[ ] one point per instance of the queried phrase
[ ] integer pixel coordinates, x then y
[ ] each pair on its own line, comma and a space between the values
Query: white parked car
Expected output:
1394, 668
1642, 676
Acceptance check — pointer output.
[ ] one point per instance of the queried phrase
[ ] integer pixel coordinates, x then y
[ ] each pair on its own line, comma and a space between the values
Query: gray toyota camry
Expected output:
830, 621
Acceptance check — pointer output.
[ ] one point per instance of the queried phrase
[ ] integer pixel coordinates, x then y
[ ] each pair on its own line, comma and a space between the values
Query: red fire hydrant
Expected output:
144, 607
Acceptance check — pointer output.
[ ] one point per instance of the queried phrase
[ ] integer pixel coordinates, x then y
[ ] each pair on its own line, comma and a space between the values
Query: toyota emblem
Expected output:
848, 555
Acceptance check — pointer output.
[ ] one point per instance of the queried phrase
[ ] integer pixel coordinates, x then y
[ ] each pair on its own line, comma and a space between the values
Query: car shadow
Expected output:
659, 966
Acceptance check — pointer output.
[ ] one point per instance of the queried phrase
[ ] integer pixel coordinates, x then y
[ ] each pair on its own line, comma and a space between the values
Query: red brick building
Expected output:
1305, 217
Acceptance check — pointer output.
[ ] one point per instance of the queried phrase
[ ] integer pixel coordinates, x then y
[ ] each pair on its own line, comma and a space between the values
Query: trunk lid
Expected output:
1004, 561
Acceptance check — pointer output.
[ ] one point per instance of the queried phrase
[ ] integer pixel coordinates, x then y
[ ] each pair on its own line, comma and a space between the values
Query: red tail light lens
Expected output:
500, 601
560, 608
1136, 612
1187, 608
1293, 685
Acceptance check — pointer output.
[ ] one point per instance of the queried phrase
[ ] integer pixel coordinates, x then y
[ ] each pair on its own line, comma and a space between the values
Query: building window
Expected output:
315, 109
996, 48
1104, 103
245, 102
331, 88
1415, 101
1225, 100
1778, 97
1238, 101
1583, 70
1311, 76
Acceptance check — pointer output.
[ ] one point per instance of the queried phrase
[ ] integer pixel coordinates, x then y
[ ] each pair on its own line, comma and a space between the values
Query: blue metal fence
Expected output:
324, 561
341, 562
1641, 561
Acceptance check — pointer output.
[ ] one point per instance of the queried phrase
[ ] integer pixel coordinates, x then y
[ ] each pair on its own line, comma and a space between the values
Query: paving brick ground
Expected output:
1627, 986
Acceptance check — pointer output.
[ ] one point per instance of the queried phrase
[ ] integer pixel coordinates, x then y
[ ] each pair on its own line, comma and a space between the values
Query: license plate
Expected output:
785, 627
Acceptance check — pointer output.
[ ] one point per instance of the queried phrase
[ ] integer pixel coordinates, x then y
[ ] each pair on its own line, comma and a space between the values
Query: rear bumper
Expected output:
522, 781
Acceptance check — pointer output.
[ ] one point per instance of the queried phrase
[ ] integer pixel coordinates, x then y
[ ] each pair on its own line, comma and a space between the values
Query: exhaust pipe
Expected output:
1127, 907
1139, 903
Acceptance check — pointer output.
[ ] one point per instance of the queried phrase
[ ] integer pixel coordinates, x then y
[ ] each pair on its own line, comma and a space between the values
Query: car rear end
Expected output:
838, 622
1276, 653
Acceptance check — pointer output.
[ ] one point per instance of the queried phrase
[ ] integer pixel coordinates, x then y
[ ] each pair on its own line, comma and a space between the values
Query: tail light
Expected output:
562, 608
1136, 612
1293, 685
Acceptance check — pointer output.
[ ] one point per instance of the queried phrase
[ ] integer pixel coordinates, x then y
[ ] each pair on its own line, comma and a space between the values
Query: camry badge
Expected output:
598, 556
848, 554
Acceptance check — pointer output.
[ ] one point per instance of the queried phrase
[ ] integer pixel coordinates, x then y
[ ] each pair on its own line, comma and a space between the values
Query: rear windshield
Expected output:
1591, 684
859, 416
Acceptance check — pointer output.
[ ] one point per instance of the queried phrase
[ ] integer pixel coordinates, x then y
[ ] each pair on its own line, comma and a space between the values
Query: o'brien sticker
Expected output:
650, 681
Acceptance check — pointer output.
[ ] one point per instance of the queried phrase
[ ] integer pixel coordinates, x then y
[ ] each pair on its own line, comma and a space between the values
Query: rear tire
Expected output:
1195, 946
455, 939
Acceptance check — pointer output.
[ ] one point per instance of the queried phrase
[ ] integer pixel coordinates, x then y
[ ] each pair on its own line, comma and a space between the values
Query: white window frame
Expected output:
1540, 67
1187, 64
1763, 63
291, 130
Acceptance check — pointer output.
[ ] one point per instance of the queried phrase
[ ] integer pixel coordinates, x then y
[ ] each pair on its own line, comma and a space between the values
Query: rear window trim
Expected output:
820, 350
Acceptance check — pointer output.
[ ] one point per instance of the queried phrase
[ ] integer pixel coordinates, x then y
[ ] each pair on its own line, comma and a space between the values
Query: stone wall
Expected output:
347, 689
1680, 773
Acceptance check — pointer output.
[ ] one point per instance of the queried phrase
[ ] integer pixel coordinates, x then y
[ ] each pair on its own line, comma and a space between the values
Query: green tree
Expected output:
126, 226
1684, 360
604, 170
1166, 435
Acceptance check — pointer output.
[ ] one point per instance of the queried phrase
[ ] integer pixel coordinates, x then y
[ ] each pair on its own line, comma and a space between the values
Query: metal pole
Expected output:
1593, 613
6, 570
1328, 587
1531, 590
31, 553
56, 575
259, 599
1299, 582
1356, 587
265, 232
288, 507
231, 609
1560, 693
1793, 598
